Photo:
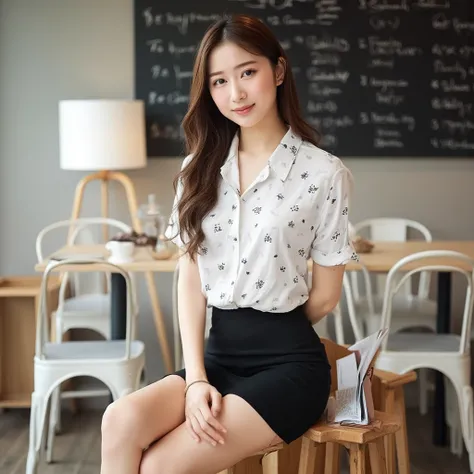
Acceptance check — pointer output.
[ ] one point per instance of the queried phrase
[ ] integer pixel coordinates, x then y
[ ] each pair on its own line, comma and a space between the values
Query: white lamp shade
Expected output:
102, 134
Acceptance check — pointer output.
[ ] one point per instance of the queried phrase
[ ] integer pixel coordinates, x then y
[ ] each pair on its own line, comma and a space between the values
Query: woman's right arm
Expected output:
203, 401
192, 318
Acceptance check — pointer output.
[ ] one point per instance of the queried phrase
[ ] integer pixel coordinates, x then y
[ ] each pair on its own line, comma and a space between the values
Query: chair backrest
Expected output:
393, 229
43, 333
431, 261
78, 230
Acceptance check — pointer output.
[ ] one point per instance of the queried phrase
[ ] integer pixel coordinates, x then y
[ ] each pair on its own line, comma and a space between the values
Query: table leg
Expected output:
119, 314
118, 306
443, 326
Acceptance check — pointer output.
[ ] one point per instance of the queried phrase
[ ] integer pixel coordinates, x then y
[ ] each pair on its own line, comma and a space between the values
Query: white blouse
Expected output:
257, 244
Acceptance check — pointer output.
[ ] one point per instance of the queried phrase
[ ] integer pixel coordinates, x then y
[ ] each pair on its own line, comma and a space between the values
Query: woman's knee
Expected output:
121, 421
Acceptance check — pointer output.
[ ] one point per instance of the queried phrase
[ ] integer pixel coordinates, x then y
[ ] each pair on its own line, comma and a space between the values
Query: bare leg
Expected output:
132, 423
177, 453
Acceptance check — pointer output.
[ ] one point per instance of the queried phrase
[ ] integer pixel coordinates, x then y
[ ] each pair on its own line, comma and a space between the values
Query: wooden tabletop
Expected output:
143, 260
383, 256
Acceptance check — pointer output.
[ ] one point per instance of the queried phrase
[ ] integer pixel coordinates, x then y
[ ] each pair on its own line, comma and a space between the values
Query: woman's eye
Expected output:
217, 82
249, 72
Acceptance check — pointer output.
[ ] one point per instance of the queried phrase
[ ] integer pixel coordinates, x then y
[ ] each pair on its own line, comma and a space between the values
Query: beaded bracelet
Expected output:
192, 383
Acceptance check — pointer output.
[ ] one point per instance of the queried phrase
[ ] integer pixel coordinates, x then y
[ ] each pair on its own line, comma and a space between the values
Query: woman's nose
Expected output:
238, 94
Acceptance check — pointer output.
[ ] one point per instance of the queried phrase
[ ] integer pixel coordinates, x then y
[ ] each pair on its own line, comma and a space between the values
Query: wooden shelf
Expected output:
19, 299
15, 400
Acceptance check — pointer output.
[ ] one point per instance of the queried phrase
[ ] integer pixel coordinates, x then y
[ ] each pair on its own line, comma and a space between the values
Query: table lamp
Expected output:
103, 136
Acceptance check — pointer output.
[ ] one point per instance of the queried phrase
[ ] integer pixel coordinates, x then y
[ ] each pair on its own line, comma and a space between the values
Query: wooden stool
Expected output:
388, 395
355, 438
269, 460
321, 442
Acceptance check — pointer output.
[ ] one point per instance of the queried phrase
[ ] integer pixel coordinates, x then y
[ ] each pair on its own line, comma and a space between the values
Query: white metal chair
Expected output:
447, 353
410, 309
84, 309
88, 307
118, 364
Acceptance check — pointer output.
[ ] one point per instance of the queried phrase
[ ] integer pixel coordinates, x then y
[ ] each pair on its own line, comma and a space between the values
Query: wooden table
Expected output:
381, 260
386, 254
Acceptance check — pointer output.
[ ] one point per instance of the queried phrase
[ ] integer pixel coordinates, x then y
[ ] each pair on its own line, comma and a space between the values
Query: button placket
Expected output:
235, 226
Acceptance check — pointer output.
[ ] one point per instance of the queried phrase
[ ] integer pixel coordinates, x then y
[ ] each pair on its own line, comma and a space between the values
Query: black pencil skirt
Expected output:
274, 361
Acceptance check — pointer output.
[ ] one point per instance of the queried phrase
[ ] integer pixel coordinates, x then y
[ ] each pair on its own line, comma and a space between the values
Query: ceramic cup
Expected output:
120, 252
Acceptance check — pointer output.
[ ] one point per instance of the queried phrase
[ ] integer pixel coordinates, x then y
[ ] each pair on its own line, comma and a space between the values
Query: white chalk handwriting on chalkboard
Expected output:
375, 76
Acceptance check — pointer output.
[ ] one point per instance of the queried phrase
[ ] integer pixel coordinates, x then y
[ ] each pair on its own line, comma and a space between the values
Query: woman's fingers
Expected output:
196, 424
189, 428
216, 403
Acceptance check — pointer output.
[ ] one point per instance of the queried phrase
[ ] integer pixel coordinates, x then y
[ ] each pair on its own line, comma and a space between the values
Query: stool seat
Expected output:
382, 425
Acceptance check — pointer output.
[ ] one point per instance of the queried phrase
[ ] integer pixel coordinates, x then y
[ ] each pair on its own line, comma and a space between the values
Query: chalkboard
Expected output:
376, 77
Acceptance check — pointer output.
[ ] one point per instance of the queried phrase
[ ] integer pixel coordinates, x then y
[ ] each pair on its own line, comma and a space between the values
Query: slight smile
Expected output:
244, 110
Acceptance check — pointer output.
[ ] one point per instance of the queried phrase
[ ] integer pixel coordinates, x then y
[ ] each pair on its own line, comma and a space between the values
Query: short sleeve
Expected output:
172, 231
332, 244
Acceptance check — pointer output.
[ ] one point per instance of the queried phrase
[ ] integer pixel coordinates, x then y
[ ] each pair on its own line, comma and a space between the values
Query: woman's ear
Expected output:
280, 71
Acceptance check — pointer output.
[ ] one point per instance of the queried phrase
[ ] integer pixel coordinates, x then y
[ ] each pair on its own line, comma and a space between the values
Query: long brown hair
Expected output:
209, 134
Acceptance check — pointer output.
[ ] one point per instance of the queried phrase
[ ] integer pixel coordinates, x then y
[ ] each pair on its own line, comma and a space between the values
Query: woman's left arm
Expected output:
332, 246
325, 291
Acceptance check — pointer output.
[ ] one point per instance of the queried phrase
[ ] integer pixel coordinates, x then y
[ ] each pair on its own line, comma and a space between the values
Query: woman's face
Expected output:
242, 85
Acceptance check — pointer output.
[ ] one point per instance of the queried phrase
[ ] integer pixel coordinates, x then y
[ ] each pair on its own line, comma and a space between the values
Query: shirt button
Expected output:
235, 239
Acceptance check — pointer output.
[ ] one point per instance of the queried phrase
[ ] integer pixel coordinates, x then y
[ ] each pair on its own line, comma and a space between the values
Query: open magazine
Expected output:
353, 403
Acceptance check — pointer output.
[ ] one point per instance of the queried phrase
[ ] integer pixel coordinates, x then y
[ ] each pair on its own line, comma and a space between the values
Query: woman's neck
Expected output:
263, 138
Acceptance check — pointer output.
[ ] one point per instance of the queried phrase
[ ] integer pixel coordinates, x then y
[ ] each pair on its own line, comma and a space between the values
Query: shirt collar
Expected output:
281, 160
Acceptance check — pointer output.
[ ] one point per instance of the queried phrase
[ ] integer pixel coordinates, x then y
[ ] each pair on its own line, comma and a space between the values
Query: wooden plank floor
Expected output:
77, 450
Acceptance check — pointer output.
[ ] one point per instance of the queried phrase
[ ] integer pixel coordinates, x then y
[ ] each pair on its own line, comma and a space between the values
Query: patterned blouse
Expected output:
257, 244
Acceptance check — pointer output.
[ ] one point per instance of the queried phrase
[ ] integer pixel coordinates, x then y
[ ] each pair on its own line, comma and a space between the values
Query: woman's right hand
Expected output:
203, 404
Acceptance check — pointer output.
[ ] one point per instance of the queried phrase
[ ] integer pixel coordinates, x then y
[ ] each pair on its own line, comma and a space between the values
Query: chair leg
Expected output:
423, 387
377, 457
32, 458
270, 463
37, 420
453, 420
467, 421
54, 415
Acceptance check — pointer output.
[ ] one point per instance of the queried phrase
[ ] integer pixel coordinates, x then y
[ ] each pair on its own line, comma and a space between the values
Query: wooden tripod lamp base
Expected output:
105, 177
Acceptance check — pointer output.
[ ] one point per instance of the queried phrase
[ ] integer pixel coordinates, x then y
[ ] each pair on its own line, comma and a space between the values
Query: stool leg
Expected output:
307, 456
357, 459
401, 436
333, 452
270, 463
377, 457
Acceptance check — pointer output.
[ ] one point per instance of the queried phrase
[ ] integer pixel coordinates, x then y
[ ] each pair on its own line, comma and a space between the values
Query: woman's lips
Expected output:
245, 110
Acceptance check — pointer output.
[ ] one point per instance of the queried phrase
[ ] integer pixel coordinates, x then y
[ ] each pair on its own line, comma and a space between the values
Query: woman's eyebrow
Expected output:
246, 63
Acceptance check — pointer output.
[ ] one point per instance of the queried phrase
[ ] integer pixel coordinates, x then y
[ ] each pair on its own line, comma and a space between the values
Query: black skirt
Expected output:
274, 361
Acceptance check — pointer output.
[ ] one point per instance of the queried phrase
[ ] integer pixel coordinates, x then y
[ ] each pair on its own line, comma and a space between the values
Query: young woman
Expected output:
255, 199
